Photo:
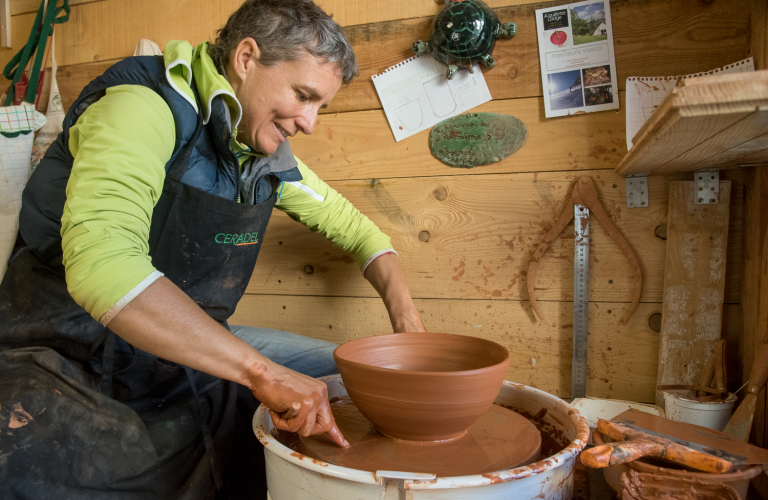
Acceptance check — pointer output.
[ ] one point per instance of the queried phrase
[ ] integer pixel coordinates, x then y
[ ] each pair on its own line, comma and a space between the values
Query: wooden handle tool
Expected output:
740, 423
291, 412
707, 374
720, 380
632, 444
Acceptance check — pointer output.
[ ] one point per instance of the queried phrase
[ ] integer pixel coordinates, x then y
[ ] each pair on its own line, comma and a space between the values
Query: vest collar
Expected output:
182, 62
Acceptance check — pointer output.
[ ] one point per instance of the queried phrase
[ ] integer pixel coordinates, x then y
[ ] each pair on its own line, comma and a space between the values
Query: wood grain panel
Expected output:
754, 296
471, 237
642, 31
622, 359
360, 145
345, 12
694, 283
27, 6
649, 39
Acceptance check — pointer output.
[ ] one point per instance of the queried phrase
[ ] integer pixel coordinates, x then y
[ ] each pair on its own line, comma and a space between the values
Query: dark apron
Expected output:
116, 422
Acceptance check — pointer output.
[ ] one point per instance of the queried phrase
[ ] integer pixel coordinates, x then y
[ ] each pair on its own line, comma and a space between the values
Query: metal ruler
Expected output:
580, 301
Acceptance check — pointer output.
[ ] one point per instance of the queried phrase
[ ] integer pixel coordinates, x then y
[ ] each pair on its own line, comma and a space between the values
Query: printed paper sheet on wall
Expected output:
645, 93
416, 94
578, 66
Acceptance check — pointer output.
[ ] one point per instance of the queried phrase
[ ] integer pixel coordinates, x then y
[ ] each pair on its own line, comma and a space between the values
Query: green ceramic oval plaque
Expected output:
474, 139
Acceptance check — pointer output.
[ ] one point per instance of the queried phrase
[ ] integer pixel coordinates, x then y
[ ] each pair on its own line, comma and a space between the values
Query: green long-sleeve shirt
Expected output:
120, 145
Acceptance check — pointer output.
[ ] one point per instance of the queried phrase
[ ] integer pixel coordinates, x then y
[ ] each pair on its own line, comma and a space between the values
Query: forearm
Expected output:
387, 277
164, 321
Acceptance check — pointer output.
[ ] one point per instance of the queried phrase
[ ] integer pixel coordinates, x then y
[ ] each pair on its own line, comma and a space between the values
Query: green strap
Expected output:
38, 37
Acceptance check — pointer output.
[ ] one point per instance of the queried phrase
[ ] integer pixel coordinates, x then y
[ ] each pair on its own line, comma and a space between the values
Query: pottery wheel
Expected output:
500, 439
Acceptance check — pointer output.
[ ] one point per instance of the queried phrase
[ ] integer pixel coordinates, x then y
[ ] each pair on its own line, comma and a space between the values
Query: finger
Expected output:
337, 437
308, 424
326, 423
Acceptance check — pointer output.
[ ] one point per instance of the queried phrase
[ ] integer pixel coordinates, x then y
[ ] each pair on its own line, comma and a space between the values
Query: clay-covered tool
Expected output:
632, 444
701, 439
740, 423
584, 193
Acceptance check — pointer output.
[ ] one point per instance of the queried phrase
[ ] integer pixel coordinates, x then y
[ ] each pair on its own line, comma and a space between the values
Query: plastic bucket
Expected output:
714, 415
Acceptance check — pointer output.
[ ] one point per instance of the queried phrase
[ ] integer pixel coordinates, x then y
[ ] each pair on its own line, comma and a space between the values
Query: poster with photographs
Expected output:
578, 66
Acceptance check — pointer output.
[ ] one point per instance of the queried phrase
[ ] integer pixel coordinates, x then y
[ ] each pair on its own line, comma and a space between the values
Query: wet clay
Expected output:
422, 386
639, 486
584, 193
500, 439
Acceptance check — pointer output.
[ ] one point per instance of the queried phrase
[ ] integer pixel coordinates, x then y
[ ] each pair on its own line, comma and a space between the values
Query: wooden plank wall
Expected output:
464, 235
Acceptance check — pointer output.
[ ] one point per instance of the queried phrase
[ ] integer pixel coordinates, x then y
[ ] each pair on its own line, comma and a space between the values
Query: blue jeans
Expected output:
305, 355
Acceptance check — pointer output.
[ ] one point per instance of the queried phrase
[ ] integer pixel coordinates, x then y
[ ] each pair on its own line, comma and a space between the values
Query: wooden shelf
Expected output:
718, 121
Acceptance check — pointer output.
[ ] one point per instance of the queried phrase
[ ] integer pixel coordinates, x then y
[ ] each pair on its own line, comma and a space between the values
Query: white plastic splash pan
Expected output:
293, 476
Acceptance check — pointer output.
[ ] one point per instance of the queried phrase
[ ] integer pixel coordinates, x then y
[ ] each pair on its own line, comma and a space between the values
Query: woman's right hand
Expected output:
296, 402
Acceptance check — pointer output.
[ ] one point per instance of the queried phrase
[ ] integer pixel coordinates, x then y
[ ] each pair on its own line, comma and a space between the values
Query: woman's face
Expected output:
283, 99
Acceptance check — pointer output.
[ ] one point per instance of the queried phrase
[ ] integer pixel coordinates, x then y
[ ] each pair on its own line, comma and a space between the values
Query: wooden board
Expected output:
643, 45
480, 232
6, 32
622, 358
694, 283
754, 296
360, 145
708, 122
344, 12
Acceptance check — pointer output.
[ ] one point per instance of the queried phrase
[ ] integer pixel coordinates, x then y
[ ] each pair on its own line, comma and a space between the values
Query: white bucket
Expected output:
293, 476
714, 415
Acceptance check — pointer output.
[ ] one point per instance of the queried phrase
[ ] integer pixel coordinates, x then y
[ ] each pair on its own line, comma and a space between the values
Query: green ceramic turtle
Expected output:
464, 32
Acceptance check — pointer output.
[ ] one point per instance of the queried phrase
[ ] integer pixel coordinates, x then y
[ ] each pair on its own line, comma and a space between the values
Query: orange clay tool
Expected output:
584, 193
632, 444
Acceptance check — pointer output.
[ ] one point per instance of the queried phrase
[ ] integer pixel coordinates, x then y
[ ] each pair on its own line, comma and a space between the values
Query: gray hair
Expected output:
282, 29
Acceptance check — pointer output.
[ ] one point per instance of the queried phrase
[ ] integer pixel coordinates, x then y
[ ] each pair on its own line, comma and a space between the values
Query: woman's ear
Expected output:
244, 57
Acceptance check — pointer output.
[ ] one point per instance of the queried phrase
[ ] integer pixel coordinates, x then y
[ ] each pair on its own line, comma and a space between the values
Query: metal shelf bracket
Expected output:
706, 187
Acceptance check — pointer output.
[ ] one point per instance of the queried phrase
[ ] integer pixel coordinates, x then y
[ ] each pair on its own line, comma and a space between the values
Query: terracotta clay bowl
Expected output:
422, 386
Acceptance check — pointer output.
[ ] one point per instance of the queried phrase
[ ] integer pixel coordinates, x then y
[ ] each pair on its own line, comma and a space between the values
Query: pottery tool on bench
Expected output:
741, 421
583, 199
637, 435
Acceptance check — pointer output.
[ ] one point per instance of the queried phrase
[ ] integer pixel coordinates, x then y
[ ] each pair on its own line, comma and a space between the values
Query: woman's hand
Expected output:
296, 402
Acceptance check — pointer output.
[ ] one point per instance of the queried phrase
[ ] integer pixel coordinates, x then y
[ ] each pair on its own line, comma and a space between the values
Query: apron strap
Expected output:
207, 438
108, 360
107, 364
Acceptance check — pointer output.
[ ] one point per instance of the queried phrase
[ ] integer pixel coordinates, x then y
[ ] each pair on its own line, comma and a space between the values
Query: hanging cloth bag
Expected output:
54, 115
17, 124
